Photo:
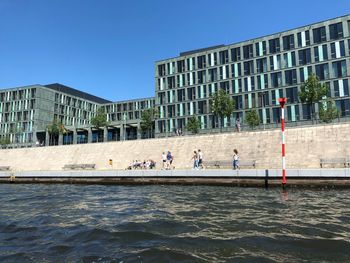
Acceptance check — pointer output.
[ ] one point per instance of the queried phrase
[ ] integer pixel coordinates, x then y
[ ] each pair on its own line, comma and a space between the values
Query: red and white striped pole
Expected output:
282, 102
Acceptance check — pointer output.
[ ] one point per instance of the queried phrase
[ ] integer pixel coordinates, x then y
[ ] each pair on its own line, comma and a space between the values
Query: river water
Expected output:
94, 223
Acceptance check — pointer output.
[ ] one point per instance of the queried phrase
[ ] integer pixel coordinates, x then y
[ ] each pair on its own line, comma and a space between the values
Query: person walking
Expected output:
200, 159
195, 160
235, 160
169, 158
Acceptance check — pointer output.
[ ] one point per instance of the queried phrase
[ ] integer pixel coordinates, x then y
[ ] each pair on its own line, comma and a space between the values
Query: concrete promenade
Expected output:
249, 177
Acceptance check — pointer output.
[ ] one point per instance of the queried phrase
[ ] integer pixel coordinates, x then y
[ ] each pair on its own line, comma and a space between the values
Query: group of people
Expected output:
136, 164
197, 159
167, 160
39, 144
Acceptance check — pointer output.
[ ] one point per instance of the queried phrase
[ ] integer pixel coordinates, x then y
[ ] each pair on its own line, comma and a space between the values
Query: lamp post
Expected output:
282, 102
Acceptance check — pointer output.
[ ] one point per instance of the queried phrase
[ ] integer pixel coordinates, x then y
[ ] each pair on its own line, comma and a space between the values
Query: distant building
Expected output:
255, 73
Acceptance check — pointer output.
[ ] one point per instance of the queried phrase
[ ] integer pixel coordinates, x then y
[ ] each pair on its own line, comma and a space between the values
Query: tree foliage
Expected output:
148, 117
312, 91
328, 111
5, 140
222, 105
56, 128
252, 118
100, 119
193, 125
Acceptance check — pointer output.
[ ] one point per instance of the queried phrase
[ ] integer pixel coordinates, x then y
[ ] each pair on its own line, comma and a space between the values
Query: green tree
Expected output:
328, 111
222, 105
148, 117
4, 141
252, 118
193, 125
311, 92
100, 119
55, 129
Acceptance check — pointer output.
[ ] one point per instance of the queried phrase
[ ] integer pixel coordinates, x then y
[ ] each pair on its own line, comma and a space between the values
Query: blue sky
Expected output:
109, 47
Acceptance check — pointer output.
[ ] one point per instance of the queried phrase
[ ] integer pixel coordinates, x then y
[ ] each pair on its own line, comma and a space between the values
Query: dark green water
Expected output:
94, 223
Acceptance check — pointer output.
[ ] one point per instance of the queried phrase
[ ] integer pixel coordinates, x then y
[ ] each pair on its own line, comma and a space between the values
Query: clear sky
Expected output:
109, 47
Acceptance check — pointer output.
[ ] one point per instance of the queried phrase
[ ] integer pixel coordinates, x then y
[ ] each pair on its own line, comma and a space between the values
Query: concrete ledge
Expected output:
249, 177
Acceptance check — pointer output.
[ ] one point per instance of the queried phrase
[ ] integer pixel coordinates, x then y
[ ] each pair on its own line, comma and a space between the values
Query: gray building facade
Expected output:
255, 73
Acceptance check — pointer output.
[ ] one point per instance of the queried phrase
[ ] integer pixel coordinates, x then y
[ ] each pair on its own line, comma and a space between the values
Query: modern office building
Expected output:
255, 73
26, 112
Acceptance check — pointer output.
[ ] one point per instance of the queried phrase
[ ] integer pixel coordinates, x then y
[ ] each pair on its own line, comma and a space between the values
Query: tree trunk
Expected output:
221, 120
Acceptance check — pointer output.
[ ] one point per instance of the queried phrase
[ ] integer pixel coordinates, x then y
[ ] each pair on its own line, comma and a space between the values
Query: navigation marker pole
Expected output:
282, 102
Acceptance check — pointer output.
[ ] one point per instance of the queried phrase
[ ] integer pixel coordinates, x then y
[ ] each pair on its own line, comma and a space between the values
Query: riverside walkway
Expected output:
248, 177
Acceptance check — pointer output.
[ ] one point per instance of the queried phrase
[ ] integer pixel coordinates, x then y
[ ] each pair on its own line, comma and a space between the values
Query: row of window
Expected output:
262, 65
129, 106
323, 71
13, 95
245, 52
263, 98
266, 116
74, 102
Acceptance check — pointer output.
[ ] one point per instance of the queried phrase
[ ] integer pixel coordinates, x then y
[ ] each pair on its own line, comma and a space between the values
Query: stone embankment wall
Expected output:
304, 148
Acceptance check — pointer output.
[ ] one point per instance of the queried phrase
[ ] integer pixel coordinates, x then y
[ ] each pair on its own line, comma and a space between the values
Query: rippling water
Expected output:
94, 223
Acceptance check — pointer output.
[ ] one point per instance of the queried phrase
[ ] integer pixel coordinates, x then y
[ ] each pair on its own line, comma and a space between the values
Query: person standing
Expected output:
235, 159
200, 159
163, 160
238, 124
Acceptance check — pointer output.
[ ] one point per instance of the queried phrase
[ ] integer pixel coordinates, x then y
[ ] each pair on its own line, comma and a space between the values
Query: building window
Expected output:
260, 48
336, 31
248, 51
338, 49
276, 79
292, 95
261, 65
288, 42
343, 106
305, 72
289, 60
319, 34
303, 38
341, 88
321, 53
236, 70
223, 56
161, 70
274, 45
322, 71
201, 62
339, 69
275, 62
291, 77
180, 66
304, 56
235, 54
248, 68
213, 74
